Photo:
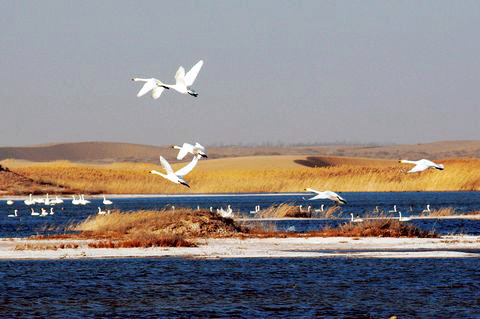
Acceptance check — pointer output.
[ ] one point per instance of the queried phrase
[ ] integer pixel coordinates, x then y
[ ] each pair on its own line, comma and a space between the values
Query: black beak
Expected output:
342, 201
204, 155
185, 184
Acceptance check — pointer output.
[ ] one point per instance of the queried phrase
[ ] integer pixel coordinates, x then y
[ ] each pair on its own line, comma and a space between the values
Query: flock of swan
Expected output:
47, 201
183, 83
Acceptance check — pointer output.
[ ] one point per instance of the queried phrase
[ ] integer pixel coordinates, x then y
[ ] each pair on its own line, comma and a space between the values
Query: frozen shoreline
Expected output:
365, 247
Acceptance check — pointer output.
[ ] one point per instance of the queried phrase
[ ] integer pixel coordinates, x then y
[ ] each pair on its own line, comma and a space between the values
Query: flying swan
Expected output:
422, 165
186, 148
183, 81
326, 195
176, 177
152, 84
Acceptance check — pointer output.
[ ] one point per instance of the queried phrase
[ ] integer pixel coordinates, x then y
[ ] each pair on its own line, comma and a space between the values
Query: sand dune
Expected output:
109, 152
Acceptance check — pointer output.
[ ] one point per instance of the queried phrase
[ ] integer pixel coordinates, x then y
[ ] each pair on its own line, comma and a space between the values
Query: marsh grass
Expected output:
448, 211
244, 176
282, 211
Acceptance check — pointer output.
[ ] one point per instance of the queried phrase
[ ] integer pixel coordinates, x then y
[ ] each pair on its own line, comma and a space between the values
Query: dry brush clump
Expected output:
282, 211
177, 228
448, 211
377, 228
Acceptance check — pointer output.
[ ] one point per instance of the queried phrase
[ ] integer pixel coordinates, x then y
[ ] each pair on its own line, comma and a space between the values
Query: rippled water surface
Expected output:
359, 203
241, 288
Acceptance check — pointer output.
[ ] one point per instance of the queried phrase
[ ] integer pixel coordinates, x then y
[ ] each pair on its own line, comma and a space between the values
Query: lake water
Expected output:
359, 203
241, 288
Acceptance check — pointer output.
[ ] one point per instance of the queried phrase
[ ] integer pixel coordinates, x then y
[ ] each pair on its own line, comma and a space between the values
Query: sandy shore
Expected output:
445, 247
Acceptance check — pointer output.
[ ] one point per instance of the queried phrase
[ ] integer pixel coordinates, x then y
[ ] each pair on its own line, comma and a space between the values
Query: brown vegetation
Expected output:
448, 211
282, 211
254, 174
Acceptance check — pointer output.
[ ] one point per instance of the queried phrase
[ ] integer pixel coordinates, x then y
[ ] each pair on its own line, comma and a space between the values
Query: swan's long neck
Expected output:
177, 147
408, 162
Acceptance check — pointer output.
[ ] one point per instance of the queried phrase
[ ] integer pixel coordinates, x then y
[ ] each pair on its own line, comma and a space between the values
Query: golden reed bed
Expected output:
256, 174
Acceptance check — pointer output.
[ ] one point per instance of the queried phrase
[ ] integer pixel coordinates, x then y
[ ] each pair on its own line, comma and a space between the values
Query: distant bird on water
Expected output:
106, 201
422, 165
151, 84
176, 177
186, 148
326, 195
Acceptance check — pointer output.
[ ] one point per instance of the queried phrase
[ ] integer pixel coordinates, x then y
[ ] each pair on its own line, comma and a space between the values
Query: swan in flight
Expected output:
184, 81
152, 84
326, 195
177, 176
422, 165
106, 201
186, 148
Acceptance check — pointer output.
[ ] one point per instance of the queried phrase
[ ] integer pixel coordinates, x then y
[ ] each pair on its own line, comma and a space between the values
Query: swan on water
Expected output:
9, 202
228, 213
101, 212
34, 213
83, 201
422, 165
14, 213
257, 209
75, 201
44, 212
184, 81
427, 210
186, 148
29, 201
403, 219
394, 210
176, 177
356, 219
151, 84
326, 195
106, 201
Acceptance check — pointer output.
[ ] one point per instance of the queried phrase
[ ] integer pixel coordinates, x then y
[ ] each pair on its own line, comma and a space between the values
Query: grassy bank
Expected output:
256, 174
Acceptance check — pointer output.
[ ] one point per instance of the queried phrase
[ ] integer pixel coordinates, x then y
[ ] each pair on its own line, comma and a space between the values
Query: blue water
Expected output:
241, 288
410, 203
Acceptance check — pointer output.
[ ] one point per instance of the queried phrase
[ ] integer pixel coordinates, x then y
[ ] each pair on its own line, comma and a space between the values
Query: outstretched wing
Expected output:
200, 147
149, 85
157, 91
180, 76
319, 196
182, 153
311, 190
192, 74
418, 168
166, 165
188, 168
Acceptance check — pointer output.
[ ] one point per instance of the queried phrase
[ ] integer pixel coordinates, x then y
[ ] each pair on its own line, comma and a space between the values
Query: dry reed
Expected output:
128, 178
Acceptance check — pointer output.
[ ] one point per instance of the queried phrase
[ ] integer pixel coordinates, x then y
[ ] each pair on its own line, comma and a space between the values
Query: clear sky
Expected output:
275, 71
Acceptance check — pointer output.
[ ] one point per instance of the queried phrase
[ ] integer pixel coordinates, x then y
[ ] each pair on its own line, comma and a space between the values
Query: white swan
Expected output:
326, 195
29, 201
56, 201
228, 213
101, 212
9, 202
152, 84
422, 165
47, 201
83, 201
51, 211
184, 81
355, 220
186, 148
44, 212
106, 201
34, 213
394, 210
176, 177
14, 213
75, 201
403, 219
257, 209
427, 210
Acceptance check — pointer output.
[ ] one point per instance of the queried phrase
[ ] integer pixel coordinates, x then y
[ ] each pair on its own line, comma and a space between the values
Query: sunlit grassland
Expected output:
256, 174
